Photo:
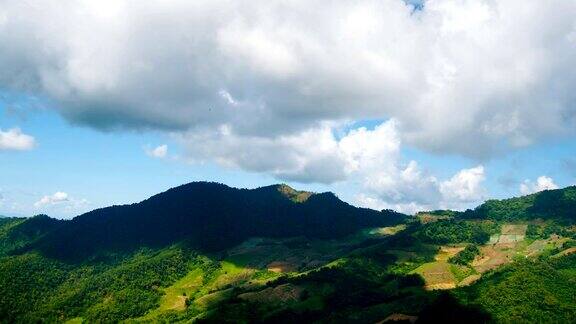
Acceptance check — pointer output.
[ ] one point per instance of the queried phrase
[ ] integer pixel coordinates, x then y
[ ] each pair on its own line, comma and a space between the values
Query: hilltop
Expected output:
211, 217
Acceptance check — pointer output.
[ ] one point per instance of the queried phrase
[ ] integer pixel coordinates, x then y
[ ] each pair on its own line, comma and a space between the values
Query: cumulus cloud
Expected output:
58, 204
465, 186
370, 158
158, 152
542, 183
268, 86
488, 72
14, 139
56, 198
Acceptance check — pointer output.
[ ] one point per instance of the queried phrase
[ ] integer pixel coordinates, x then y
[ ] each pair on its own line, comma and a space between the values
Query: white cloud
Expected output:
542, 183
465, 186
158, 152
488, 72
58, 204
265, 85
56, 198
14, 139
310, 156
368, 158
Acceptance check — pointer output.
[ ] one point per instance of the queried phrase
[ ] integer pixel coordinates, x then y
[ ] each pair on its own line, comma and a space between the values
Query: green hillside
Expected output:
205, 252
558, 205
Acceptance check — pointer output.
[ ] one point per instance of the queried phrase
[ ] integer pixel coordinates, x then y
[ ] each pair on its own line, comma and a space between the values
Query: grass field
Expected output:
204, 289
437, 275
385, 231
461, 273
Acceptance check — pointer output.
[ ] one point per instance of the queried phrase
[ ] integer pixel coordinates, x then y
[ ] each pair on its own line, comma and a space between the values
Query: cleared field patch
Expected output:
492, 257
510, 238
386, 231
429, 218
437, 275
539, 246
509, 234
446, 252
281, 267
536, 247
202, 289
461, 272
396, 317
510, 229
175, 298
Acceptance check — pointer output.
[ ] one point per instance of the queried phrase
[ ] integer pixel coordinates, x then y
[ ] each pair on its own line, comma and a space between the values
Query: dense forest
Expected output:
210, 217
558, 205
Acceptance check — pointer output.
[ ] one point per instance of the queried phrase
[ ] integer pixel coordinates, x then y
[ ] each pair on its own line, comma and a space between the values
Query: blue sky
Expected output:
109, 102
107, 168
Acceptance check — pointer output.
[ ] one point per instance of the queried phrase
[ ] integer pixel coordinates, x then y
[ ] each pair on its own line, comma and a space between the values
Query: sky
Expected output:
389, 104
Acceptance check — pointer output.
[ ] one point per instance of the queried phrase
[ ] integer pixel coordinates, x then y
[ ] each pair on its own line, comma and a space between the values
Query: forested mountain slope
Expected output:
559, 205
205, 252
212, 217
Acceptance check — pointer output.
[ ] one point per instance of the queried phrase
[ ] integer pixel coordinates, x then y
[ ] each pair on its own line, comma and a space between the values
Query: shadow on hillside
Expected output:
359, 289
447, 309
211, 217
558, 204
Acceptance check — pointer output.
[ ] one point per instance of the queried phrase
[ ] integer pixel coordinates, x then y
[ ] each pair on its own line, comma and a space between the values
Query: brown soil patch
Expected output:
399, 317
281, 267
492, 257
514, 229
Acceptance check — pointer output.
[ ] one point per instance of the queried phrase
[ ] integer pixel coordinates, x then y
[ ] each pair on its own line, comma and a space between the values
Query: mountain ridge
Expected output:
210, 216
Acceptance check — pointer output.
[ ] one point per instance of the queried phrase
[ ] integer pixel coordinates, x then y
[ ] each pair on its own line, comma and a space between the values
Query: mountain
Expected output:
212, 217
209, 253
